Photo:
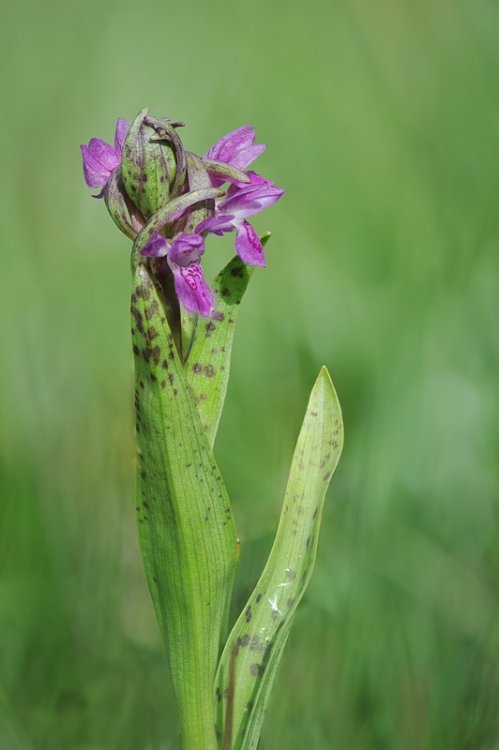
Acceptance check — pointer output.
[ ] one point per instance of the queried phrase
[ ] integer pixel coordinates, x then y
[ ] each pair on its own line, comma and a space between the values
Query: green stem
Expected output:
197, 728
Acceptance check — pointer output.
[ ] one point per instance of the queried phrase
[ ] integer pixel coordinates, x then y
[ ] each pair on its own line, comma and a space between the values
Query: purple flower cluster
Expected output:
184, 244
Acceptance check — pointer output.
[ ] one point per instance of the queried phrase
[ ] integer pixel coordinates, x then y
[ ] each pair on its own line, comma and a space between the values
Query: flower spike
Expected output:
167, 200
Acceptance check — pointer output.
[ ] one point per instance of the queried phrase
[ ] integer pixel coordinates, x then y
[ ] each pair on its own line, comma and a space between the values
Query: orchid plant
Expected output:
168, 201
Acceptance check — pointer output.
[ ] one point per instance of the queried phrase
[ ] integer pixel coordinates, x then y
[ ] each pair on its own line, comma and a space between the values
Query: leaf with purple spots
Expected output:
186, 529
208, 360
253, 650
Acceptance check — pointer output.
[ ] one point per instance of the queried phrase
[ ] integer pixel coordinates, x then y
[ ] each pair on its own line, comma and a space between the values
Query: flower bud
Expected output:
153, 163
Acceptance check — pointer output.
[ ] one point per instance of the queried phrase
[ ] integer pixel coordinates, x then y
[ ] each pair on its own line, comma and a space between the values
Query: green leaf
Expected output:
186, 529
207, 361
251, 656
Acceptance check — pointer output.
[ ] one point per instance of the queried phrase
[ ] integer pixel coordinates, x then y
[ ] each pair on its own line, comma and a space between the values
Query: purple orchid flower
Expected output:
237, 148
241, 202
100, 159
183, 254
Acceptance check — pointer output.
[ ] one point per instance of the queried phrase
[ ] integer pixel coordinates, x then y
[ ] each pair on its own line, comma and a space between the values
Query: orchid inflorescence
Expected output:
167, 200
180, 238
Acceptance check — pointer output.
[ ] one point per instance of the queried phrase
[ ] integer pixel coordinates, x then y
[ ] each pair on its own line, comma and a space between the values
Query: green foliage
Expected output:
249, 663
186, 529
187, 533
11, 734
208, 358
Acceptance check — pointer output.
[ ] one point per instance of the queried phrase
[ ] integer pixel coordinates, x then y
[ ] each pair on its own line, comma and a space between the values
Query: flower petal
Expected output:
248, 201
237, 148
253, 180
192, 290
95, 174
248, 245
217, 224
186, 248
121, 132
157, 247
104, 153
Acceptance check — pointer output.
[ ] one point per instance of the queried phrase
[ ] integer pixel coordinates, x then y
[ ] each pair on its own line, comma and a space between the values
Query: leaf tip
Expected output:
265, 237
325, 392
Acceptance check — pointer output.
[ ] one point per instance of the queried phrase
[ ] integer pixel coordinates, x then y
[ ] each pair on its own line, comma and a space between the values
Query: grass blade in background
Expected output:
252, 653
11, 734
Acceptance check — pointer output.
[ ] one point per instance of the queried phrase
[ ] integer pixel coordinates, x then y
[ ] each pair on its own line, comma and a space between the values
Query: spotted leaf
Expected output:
207, 363
251, 656
186, 530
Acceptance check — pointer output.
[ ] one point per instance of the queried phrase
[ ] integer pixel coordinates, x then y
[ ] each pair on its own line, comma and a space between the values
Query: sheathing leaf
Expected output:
208, 360
186, 529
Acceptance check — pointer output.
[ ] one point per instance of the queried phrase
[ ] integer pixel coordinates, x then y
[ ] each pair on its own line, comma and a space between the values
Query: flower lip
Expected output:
248, 245
183, 254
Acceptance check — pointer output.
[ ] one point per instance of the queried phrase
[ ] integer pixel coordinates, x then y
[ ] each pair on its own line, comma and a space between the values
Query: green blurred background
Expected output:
382, 123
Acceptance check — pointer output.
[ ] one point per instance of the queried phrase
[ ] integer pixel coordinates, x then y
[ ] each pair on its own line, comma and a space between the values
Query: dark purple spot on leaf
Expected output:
256, 670
143, 291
